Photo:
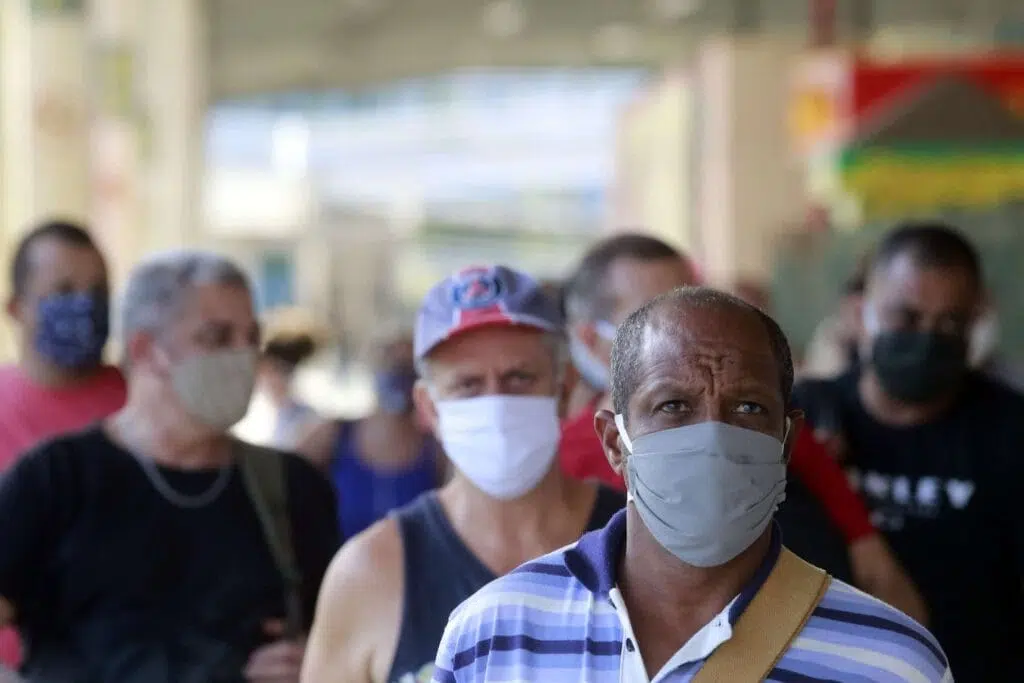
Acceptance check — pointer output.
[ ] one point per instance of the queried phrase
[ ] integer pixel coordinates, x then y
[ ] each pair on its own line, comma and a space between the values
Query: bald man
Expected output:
692, 575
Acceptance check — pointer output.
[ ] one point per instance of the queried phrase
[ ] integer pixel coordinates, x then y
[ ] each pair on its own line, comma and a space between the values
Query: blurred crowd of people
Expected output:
609, 478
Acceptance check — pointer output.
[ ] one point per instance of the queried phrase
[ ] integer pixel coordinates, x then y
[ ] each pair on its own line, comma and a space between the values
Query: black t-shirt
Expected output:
947, 495
111, 579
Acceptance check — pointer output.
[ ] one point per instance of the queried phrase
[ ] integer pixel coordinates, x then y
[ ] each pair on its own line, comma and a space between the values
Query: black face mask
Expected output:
916, 367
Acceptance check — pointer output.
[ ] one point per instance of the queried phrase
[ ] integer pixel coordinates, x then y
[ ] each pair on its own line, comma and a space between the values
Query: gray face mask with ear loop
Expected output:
706, 491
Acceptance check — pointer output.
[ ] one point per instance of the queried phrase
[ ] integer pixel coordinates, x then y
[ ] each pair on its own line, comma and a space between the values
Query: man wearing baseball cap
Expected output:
489, 351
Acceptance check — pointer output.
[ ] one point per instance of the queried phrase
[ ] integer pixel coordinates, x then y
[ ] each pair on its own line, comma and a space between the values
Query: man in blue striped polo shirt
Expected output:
701, 385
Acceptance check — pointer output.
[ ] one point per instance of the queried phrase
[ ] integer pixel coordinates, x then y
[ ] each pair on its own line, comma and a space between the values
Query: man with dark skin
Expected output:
701, 430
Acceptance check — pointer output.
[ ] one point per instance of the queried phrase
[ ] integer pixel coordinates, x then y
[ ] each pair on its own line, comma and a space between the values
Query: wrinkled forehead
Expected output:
683, 339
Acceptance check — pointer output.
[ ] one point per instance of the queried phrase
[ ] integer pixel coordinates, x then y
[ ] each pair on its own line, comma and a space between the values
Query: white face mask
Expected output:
984, 339
215, 387
503, 444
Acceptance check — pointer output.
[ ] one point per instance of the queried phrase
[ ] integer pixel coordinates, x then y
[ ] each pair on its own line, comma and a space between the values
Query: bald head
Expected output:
671, 329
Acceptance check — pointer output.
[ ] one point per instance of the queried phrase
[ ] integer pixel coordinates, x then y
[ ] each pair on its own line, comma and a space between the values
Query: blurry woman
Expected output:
386, 459
283, 355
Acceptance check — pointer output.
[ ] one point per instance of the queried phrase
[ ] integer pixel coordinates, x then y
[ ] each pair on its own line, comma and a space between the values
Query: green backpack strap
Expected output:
266, 481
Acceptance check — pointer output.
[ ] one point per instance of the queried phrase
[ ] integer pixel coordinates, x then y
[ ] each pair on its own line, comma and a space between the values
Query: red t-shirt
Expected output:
580, 451
30, 413
582, 457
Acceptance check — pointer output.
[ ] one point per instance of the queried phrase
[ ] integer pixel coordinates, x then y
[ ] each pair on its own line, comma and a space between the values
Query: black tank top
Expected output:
441, 573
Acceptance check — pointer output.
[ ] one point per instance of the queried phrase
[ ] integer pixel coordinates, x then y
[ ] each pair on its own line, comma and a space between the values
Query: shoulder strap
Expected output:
266, 482
769, 624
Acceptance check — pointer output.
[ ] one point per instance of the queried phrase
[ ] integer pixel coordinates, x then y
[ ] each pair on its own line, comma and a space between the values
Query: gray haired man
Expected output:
135, 551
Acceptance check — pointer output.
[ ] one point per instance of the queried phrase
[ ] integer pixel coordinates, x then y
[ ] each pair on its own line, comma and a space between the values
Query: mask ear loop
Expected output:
620, 422
605, 330
785, 435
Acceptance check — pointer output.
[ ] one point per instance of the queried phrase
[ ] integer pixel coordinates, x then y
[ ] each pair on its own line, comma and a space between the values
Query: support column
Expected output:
175, 95
751, 186
117, 211
43, 119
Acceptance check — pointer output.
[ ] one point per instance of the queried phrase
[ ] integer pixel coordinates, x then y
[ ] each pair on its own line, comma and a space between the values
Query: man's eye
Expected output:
673, 407
750, 408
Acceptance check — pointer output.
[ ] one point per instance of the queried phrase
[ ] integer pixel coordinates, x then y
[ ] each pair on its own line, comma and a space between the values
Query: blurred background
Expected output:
352, 152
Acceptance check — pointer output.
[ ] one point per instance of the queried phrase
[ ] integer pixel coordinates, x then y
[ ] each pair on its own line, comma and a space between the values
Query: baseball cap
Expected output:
478, 297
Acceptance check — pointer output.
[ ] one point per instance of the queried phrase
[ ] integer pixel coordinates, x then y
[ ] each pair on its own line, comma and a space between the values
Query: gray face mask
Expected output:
591, 369
707, 491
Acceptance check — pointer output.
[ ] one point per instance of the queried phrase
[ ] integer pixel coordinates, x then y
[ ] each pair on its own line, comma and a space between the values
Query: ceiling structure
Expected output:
261, 46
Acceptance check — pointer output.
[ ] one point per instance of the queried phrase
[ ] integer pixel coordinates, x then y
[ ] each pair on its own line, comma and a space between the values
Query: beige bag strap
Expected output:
769, 623
266, 482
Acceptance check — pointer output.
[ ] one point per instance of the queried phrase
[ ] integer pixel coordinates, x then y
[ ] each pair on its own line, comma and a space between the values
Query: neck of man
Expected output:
46, 374
504, 534
890, 411
529, 514
162, 435
669, 600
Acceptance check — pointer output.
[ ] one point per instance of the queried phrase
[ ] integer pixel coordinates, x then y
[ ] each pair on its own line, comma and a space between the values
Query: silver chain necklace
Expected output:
169, 493
179, 499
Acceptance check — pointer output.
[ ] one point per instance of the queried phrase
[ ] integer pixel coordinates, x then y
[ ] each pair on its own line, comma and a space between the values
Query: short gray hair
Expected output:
159, 287
554, 341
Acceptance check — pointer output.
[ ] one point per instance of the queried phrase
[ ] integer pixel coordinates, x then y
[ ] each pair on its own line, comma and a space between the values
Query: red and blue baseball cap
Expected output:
482, 296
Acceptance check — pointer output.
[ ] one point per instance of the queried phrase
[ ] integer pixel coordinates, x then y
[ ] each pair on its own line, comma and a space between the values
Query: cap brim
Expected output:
492, 320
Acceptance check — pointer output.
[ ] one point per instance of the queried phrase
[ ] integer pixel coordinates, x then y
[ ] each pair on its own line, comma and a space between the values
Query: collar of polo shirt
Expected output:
595, 558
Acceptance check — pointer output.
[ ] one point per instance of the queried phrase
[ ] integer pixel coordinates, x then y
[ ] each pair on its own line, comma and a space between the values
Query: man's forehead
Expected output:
905, 278
633, 282
218, 302
50, 253
715, 333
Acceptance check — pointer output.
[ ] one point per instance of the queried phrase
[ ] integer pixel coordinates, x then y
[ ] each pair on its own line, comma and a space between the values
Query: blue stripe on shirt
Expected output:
545, 622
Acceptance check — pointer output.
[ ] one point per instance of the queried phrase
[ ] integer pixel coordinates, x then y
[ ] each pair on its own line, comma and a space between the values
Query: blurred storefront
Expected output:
918, 138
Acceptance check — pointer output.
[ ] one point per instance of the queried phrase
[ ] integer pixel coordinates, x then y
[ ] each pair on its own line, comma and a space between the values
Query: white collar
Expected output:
699, 647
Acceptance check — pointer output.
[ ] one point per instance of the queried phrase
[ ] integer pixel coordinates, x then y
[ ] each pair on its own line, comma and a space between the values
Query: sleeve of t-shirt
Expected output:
824, 478
30, 503
315, 524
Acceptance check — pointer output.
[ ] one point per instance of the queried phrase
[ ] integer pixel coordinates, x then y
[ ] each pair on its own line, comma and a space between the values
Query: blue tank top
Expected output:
441, 573
366, 495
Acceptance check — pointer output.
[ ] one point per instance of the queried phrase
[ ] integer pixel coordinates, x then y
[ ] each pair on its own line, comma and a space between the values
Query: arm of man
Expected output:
355, 630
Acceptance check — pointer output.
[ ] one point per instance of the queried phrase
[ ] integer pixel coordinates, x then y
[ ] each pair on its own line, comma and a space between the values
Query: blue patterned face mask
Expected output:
394, 390
72, 329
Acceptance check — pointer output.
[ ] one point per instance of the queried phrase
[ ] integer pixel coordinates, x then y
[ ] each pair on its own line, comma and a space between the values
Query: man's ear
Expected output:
426, 411
141, 350
608, 432
13, 308
794, 425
